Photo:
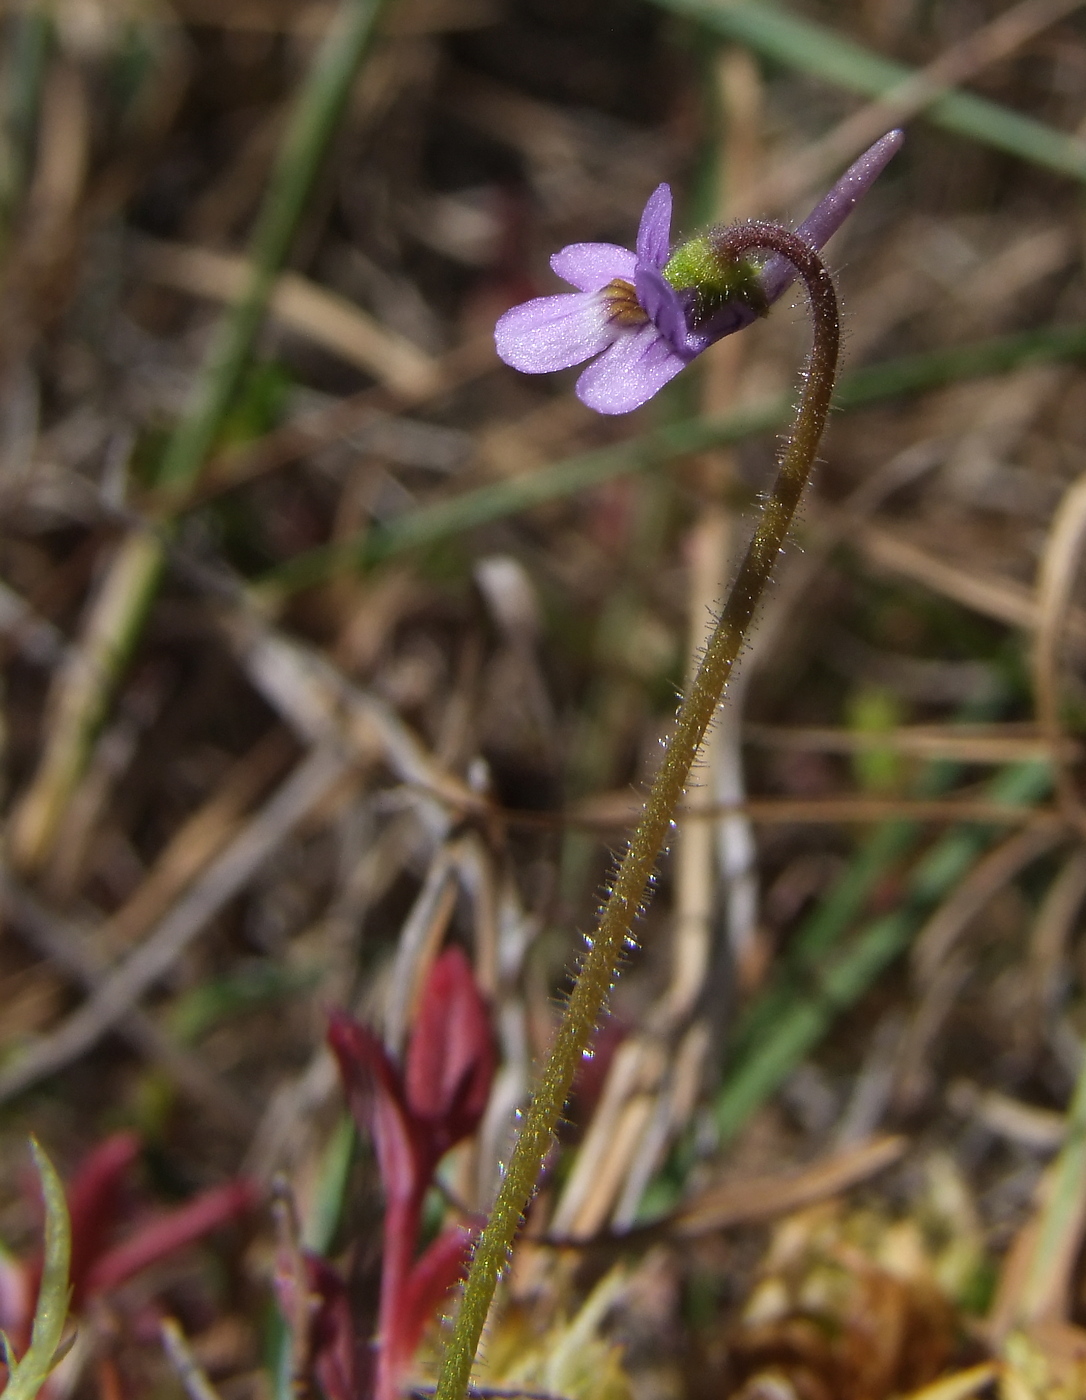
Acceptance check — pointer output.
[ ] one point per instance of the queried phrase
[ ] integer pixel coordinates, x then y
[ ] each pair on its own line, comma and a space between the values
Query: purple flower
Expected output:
641, 317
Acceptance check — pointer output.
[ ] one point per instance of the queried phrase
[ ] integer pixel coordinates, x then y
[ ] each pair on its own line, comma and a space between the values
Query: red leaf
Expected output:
452, 1056
376, 1099
165, 1234
434, 1273
18, 1290
335, 1348
94, 1203
331, 1343
592, 1072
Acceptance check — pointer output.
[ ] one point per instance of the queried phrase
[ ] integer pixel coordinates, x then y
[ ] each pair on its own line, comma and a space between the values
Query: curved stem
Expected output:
605, 949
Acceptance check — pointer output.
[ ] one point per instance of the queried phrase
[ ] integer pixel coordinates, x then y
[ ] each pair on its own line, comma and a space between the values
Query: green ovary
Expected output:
695, 265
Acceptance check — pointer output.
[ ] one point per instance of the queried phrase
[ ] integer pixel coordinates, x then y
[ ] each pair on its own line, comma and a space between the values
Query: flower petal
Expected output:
663, 304
628, 374
654, 235
590, 266
554, 332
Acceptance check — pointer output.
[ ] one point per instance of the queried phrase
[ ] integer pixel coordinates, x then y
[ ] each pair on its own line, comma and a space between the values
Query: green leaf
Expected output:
812, 48
26, 1377
497, 500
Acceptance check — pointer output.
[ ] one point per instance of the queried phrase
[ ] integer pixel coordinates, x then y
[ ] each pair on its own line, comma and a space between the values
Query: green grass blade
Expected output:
316, 114
327, 1205
29, 1374
114, 620
839, 978
814, 49
843, 904
1059, 1227
446, 519
20, 100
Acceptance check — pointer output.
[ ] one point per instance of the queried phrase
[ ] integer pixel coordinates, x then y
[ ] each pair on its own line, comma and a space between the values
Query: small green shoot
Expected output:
27, 1375
875, 713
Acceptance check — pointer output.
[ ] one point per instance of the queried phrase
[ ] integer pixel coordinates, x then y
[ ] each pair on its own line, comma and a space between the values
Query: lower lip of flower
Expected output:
622, 304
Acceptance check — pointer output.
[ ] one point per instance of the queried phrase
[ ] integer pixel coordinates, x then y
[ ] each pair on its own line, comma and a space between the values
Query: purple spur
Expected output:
641, 316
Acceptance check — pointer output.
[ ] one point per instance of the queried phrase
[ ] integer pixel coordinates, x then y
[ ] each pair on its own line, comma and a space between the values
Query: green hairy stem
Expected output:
601, 961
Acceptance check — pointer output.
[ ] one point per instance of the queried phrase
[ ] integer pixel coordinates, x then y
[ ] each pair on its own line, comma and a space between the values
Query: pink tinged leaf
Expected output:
165, 1234
433, 1275
376, 1099
635, 368
331, 1336
18, 1292
590, 266
452, 1056
654, 234
592, 1072
95, 1199
552, 333
333, 1339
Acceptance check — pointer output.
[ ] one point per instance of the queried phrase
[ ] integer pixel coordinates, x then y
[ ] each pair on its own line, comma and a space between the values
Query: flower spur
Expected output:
641, 316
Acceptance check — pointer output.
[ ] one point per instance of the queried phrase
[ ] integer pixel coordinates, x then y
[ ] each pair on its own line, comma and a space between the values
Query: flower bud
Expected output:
451, 1057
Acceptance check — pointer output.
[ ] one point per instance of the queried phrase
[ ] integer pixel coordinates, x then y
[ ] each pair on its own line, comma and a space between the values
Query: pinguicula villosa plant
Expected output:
641, 317
413, 1113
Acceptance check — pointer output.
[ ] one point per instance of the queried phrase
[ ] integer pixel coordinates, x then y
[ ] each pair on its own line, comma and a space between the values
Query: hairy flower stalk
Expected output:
722, 255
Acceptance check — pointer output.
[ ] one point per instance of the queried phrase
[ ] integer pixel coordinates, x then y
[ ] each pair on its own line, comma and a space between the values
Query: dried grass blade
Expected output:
937, 939
1056, 621
789, 1021
498, 500
1037, 1275
1050, 934
114, 620
300, 305
991, 43
307, 786
743, 1202
815, 49
70, 949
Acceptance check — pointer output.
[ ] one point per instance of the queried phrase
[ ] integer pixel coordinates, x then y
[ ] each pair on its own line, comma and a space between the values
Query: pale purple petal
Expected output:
660, 299
654, 235
590, 266
833, 209
552, 333
636, 366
